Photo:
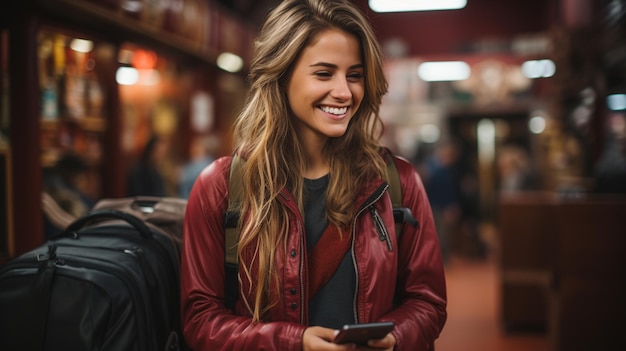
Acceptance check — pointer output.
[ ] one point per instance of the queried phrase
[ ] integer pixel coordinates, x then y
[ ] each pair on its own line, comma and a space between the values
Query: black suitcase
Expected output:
109, 282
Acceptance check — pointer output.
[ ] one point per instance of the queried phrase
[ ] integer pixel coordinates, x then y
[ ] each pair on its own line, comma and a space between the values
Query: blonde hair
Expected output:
265, 136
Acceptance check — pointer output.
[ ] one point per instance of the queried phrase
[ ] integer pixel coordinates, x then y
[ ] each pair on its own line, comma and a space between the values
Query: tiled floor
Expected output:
473, 304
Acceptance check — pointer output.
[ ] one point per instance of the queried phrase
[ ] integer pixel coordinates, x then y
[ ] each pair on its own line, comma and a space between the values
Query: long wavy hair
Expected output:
265, 135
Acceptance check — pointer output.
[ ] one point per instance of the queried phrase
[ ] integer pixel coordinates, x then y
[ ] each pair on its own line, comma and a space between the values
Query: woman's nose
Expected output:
341, 89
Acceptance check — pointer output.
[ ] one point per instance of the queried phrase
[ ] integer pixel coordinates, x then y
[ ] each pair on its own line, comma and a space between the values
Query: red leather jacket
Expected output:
409, 267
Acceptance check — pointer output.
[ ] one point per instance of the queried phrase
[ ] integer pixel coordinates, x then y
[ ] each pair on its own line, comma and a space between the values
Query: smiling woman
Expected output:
318, 246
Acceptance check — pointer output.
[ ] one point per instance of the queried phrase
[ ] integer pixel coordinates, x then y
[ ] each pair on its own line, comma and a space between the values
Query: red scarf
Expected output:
325, 257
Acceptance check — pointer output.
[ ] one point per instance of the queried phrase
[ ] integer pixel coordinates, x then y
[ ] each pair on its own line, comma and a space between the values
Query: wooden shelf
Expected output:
118, 21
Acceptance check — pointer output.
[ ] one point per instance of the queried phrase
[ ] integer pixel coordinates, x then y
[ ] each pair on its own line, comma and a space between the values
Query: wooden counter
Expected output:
563, 267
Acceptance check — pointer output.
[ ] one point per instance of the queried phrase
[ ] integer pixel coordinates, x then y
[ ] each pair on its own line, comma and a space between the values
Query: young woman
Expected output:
314, 192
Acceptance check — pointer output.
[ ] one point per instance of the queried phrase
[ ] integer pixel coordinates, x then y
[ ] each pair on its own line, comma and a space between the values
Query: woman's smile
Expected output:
335, 112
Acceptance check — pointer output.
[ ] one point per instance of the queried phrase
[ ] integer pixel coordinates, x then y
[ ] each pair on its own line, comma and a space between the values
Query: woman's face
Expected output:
326, 86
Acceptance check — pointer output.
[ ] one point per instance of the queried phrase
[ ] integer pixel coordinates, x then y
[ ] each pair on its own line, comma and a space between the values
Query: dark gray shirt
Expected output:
331, 307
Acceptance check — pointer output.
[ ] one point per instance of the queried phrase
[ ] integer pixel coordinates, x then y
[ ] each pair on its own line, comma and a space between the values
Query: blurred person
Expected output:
312, 174
200, 156
514, 169
64, 198
145, 177
470, 216
443, 188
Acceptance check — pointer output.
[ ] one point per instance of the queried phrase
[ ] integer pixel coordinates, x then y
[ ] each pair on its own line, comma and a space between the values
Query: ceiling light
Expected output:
443, 71
616, 102
229, 62
537, 124
538, 68
415, 5
81, 45
133, 6
429, 133
126, 76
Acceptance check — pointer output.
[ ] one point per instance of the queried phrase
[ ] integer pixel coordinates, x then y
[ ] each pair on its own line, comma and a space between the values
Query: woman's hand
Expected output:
320, 339
387, 343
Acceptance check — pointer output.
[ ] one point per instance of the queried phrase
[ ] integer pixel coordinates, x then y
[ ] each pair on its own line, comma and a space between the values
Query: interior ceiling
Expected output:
440, 32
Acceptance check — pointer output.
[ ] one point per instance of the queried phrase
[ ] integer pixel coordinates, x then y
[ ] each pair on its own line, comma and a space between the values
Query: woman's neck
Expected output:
316, 165
316, 172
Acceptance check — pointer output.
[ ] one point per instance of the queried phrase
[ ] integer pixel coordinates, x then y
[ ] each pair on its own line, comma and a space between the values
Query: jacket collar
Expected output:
368, 194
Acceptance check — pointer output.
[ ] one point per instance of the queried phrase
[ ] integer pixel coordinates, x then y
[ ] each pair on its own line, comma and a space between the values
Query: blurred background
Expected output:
513, 112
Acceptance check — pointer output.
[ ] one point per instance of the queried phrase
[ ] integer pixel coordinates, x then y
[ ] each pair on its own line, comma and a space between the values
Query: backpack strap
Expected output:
393, 178
231, 225
401, 214
395, 190
232, 232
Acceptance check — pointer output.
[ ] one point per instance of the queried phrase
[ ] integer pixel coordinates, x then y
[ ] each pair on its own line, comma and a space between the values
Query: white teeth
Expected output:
334, 110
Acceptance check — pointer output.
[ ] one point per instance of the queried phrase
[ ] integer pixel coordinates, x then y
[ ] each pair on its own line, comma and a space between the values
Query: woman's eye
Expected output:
355, 76
323, 74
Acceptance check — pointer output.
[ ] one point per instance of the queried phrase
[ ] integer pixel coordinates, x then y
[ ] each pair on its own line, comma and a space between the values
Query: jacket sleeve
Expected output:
207, 323
421, 289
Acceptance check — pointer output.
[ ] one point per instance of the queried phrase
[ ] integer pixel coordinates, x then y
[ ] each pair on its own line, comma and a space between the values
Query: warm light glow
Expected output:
537, 124
149, 77
81, 45
131, 76
415, 5
443, 71
229, 62
486, 134
132, 6
144, 59
429, 133
126, 76
538, 69
616, 102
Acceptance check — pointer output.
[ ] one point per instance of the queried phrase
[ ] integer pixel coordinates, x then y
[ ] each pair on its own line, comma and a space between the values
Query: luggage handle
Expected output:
97, 215
145, 204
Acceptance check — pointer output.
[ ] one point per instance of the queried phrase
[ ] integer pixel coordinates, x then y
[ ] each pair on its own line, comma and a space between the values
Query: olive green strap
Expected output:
395, 190
232, 230
393, 178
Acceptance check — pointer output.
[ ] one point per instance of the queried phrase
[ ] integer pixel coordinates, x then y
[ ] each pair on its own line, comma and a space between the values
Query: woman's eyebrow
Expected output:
331, 65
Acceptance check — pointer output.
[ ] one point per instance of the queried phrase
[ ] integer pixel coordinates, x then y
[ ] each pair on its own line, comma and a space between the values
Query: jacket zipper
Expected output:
139, 255
370, 201
383, 233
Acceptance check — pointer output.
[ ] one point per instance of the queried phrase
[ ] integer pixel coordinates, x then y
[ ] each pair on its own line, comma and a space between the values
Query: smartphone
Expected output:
361, 333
